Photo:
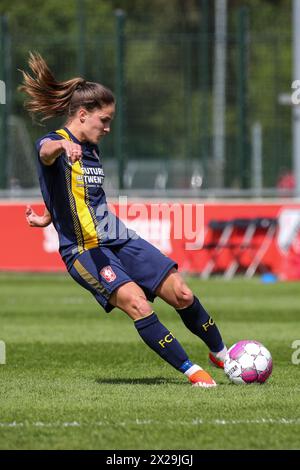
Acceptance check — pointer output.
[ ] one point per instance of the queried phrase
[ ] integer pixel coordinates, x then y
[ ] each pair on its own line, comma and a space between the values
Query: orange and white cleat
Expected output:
201, 378
215, 361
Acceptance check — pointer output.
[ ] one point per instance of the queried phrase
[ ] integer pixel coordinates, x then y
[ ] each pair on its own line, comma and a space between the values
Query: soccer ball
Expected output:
248, 362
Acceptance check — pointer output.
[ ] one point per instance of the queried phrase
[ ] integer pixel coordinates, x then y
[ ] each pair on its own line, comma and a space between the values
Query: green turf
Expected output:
77, 378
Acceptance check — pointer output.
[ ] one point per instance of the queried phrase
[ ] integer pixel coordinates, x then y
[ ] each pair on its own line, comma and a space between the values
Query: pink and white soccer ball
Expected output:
248, 362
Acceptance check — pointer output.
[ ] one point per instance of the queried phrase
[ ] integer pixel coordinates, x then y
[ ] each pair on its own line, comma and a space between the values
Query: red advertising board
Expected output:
183, 231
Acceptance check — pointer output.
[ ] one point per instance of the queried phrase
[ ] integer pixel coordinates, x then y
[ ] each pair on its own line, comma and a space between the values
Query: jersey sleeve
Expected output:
42, 140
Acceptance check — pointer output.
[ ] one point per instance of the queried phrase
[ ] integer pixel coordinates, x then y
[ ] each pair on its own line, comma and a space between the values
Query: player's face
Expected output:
97, 123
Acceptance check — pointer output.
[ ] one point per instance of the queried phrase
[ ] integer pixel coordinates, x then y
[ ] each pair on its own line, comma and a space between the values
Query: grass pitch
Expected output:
77, 378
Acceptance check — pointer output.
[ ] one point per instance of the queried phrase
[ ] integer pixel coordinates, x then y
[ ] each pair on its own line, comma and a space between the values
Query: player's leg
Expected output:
175, 292
131, 299
148, 267
101, 272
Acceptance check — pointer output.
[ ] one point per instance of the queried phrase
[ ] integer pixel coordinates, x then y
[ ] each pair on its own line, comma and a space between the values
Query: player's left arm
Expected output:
35, 220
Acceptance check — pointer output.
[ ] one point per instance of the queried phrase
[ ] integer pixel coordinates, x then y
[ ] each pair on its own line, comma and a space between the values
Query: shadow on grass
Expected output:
141, 381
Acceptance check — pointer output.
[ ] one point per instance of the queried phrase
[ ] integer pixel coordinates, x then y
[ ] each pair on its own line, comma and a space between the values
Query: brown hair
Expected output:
50, 98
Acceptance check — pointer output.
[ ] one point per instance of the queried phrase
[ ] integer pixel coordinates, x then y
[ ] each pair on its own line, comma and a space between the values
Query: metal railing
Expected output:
165, 95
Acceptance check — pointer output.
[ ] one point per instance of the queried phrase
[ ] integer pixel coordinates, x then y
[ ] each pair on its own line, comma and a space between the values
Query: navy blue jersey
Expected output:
75, 198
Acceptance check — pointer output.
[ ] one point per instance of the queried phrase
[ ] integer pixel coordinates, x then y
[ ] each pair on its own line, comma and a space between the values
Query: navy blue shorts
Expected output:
103, 269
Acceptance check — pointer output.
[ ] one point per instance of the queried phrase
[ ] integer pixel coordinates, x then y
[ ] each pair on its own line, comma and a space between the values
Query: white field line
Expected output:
141, 422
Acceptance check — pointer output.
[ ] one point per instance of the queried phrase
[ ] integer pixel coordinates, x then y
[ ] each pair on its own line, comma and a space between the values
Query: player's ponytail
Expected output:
49, 98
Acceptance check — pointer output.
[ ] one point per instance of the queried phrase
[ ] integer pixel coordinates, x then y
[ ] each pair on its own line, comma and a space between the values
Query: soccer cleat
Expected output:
202, 379
214, 361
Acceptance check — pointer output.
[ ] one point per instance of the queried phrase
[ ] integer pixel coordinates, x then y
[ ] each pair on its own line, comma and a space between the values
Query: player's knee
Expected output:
183, 296
139, 306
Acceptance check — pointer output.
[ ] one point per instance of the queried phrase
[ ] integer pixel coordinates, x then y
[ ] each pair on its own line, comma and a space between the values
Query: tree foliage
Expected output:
165, 94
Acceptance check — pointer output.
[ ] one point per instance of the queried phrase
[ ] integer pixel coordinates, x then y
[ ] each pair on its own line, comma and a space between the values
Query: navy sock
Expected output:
198, 321
162, 341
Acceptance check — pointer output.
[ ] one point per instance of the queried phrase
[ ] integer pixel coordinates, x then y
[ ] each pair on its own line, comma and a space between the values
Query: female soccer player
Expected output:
116, 265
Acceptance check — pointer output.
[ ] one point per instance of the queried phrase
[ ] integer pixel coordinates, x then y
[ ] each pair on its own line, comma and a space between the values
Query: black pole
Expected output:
204, 83
242, 146
119, 120
81, 45
3, 101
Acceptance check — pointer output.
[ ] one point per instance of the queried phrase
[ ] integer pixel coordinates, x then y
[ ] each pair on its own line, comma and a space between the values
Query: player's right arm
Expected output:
52, 149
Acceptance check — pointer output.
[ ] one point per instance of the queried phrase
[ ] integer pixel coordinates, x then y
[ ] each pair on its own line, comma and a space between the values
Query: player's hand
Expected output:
72, 150
35, 220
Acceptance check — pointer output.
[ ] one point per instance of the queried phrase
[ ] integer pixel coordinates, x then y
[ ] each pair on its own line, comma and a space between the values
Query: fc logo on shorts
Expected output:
108, 274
